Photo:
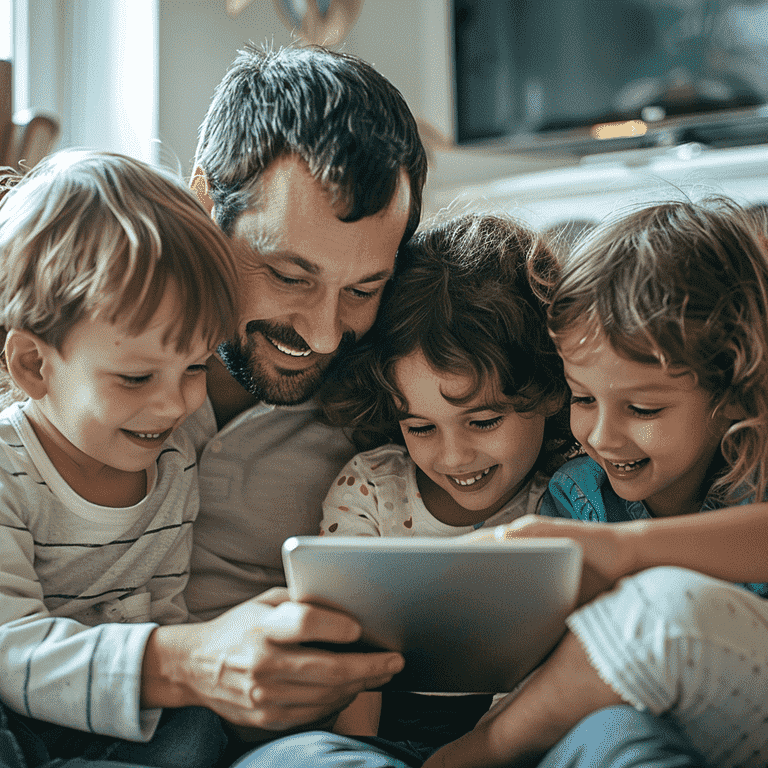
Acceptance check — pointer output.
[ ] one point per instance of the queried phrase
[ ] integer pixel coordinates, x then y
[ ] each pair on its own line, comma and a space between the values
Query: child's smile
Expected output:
471, 458
148, 439
651, 429
474, 481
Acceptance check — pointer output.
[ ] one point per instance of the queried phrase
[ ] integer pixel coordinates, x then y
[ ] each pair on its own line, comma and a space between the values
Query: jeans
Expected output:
185, 738
616, 737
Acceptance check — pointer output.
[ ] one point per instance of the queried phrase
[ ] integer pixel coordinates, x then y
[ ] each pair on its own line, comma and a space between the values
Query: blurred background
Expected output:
550, 109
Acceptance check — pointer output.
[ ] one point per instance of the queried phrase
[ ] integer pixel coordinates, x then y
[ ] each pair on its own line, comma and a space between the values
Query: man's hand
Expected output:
608, 549
248, 665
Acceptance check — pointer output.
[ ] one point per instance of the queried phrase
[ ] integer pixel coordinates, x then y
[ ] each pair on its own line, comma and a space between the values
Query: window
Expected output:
6, 29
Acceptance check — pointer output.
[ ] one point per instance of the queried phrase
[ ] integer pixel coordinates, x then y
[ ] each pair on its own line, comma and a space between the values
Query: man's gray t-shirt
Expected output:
263, 478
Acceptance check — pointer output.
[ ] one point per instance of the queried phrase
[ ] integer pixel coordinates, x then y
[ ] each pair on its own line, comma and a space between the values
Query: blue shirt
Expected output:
581, 490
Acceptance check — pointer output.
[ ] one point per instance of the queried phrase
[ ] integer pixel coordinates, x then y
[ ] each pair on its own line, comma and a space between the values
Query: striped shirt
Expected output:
82, 586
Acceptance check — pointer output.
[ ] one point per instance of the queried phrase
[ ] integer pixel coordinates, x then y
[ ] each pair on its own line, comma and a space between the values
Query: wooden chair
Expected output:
27, 136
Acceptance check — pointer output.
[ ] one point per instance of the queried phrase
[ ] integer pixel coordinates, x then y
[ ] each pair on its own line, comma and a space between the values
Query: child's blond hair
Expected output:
684, 285
89, 234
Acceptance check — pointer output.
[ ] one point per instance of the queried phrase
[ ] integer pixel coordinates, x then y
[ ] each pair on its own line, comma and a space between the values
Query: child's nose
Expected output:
455, 453
605, 433
171, 401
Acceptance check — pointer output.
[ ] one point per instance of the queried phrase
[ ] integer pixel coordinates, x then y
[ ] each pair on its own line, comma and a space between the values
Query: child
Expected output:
463, 385
115, 288
662, 323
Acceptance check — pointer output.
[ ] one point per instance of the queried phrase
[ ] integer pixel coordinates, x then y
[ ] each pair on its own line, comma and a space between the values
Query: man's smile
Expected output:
286, 350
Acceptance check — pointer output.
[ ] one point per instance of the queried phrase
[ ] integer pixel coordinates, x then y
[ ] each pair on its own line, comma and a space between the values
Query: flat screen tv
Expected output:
596, 75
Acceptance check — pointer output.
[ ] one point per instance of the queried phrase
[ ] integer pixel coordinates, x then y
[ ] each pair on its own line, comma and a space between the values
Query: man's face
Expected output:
310, 284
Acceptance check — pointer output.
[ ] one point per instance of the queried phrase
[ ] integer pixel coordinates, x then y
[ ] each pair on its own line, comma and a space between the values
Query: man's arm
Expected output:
248, 665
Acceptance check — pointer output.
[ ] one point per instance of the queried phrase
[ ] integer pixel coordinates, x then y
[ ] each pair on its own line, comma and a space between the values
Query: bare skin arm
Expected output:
248, 666
728, 544
361, 717
520, 730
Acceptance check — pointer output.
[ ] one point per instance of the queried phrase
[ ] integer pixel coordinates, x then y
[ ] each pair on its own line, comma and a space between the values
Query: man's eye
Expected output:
284, 278
359, 294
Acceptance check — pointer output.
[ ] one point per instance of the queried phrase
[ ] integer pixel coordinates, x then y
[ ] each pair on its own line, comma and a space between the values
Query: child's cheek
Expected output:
653, 437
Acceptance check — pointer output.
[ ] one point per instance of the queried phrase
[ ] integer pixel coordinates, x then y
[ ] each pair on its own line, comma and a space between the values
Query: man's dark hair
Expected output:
349, 124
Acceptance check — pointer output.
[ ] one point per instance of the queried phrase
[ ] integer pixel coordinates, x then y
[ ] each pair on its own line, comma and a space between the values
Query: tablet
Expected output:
468, 617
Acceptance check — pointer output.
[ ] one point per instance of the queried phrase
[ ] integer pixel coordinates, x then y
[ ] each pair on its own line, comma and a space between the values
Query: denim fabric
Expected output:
581, 490
320, 749
622, 737
616, 737
185, 738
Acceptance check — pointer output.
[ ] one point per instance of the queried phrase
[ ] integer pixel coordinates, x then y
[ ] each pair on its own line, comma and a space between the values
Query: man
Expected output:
312, 163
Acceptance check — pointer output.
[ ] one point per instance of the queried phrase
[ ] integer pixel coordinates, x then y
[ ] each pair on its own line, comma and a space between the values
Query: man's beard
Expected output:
281, 386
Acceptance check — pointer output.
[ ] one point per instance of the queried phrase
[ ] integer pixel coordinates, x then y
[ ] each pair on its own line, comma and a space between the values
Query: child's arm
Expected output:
55, 668
361, 717
728, 544
521, 728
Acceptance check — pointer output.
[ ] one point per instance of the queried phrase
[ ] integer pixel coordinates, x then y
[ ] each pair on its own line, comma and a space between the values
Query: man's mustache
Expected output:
284, 334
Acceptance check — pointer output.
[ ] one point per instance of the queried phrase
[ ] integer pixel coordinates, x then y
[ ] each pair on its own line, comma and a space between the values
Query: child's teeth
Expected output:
471, 480
154, 435
627, 465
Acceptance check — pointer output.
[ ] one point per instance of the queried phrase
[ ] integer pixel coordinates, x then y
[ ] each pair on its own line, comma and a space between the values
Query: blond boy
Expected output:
114, 290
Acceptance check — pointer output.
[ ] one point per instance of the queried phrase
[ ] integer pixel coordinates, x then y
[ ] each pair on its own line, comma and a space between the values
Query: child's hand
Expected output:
609, 551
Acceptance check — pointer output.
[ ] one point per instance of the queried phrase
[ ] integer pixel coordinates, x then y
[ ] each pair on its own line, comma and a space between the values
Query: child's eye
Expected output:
420, 430
196, 369
488, 423
645, 413
134, 381
579, 400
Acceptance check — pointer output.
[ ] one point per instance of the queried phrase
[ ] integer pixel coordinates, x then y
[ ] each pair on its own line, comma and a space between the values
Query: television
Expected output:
597, 75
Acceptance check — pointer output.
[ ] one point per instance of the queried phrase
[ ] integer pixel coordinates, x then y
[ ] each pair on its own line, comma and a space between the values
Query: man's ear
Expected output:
200, 186
25, 356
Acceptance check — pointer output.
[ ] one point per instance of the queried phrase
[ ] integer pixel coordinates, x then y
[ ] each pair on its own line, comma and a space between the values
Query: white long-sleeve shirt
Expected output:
82, 586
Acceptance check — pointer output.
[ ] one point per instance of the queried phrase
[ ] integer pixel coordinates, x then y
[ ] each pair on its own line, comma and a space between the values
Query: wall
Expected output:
406, 40
167, 77
197, 41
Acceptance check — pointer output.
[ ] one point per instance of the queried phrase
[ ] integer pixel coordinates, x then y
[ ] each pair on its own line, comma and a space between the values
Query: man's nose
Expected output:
321, 327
